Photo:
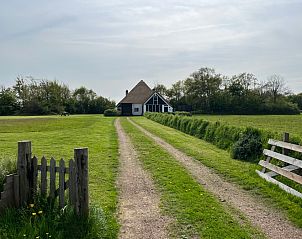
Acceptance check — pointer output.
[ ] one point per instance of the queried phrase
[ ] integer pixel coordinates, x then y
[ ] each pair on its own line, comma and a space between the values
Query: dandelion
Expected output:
37, 237
40, 212
34, 214
31, 205
24, 235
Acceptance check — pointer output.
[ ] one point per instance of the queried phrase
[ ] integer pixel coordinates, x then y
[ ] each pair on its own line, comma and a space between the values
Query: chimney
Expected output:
126, 92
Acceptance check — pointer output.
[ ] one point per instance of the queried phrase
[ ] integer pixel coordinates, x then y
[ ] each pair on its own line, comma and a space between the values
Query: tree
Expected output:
161, 89
296, 99
275, 87
202, 87
8, 102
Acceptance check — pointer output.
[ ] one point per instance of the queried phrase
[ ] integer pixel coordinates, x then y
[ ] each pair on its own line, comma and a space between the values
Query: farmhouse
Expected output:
142, 99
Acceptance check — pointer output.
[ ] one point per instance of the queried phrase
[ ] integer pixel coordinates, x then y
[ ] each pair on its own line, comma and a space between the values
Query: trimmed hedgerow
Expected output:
243, 143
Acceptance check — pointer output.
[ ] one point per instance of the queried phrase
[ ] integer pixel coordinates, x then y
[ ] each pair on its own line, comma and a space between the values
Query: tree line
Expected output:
206, 91
30, 96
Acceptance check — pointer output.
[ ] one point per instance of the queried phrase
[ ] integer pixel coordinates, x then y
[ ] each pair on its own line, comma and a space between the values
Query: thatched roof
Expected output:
138, 95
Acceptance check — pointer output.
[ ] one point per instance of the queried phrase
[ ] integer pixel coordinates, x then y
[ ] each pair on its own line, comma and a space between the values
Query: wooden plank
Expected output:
57, 169
52, 180
61, 184
23, 169
9, 182
34, 175
281, 185
287, 168
8, 186
16, 190
284, 158
295, 177
293, 147
81, 160
268, 158
72, 182
43, 176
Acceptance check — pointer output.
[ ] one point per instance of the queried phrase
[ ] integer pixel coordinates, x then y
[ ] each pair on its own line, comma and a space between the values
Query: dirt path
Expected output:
139, 212
269, 221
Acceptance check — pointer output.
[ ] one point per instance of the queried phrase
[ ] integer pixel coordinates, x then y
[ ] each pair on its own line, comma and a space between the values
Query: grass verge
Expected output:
240, 172
196, 212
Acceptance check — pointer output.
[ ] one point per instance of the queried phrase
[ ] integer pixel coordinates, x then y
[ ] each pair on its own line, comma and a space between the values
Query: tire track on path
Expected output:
270, 222
139, 213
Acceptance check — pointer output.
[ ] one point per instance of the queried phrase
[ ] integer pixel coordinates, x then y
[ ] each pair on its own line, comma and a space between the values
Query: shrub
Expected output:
111, 112
249, 145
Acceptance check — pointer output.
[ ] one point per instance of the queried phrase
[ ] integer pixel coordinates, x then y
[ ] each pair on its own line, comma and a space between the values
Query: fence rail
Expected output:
48, 180
290, 168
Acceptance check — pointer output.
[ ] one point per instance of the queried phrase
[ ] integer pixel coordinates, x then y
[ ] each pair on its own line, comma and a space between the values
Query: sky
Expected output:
110, 46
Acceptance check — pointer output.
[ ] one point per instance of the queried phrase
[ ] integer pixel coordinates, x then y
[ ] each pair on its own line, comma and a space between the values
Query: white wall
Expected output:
140, 109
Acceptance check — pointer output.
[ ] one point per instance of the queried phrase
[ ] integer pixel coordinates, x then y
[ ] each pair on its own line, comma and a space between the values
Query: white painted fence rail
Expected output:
289, 170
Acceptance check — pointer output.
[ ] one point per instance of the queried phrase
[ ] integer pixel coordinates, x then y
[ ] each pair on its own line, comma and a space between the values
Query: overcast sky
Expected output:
110, 45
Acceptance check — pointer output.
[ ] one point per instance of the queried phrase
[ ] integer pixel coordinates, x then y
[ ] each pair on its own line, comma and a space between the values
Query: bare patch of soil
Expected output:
139, 212
270, 222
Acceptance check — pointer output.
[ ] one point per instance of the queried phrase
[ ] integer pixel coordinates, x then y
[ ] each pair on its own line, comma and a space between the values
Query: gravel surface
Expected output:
270, 222
139, 212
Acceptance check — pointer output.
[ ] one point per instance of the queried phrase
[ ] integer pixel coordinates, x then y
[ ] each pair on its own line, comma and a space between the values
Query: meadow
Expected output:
54, 136
276, 123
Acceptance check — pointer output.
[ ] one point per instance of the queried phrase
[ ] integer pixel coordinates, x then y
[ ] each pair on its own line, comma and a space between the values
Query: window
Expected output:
155, 99
136, 109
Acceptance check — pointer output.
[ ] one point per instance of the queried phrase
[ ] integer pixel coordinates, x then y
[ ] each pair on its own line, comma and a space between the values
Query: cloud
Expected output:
109, 45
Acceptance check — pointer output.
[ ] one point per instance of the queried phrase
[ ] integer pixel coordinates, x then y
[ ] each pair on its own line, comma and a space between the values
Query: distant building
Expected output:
142, 99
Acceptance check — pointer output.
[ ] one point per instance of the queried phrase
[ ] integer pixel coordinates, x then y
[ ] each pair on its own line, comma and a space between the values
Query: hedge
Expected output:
245, 143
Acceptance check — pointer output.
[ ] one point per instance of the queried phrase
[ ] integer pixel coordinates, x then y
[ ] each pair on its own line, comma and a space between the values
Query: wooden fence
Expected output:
31, 177
290, 165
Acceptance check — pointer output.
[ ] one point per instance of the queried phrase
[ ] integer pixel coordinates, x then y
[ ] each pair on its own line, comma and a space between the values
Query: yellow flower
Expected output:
31, 205
40, 212
34, 214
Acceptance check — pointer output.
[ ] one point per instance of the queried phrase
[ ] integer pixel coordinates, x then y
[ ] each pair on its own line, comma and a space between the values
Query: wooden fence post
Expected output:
285, 139
82, 199
24, 169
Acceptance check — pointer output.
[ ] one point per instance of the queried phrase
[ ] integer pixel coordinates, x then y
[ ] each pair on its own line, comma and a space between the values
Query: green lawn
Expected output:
275, 123
240, 172
195, 211
58, 136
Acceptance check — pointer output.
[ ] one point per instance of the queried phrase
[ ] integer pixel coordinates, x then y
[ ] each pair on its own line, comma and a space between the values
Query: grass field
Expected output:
240, 172
275, 123
196, 211
57, 137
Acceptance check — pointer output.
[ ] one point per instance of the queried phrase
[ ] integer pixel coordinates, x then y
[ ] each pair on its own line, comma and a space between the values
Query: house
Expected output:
142, 99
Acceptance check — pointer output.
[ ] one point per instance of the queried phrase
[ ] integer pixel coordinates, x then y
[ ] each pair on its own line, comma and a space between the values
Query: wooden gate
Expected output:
32, 178
270, 170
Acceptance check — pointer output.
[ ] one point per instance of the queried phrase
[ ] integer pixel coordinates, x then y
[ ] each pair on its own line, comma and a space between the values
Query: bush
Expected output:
111, 112
249, 145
